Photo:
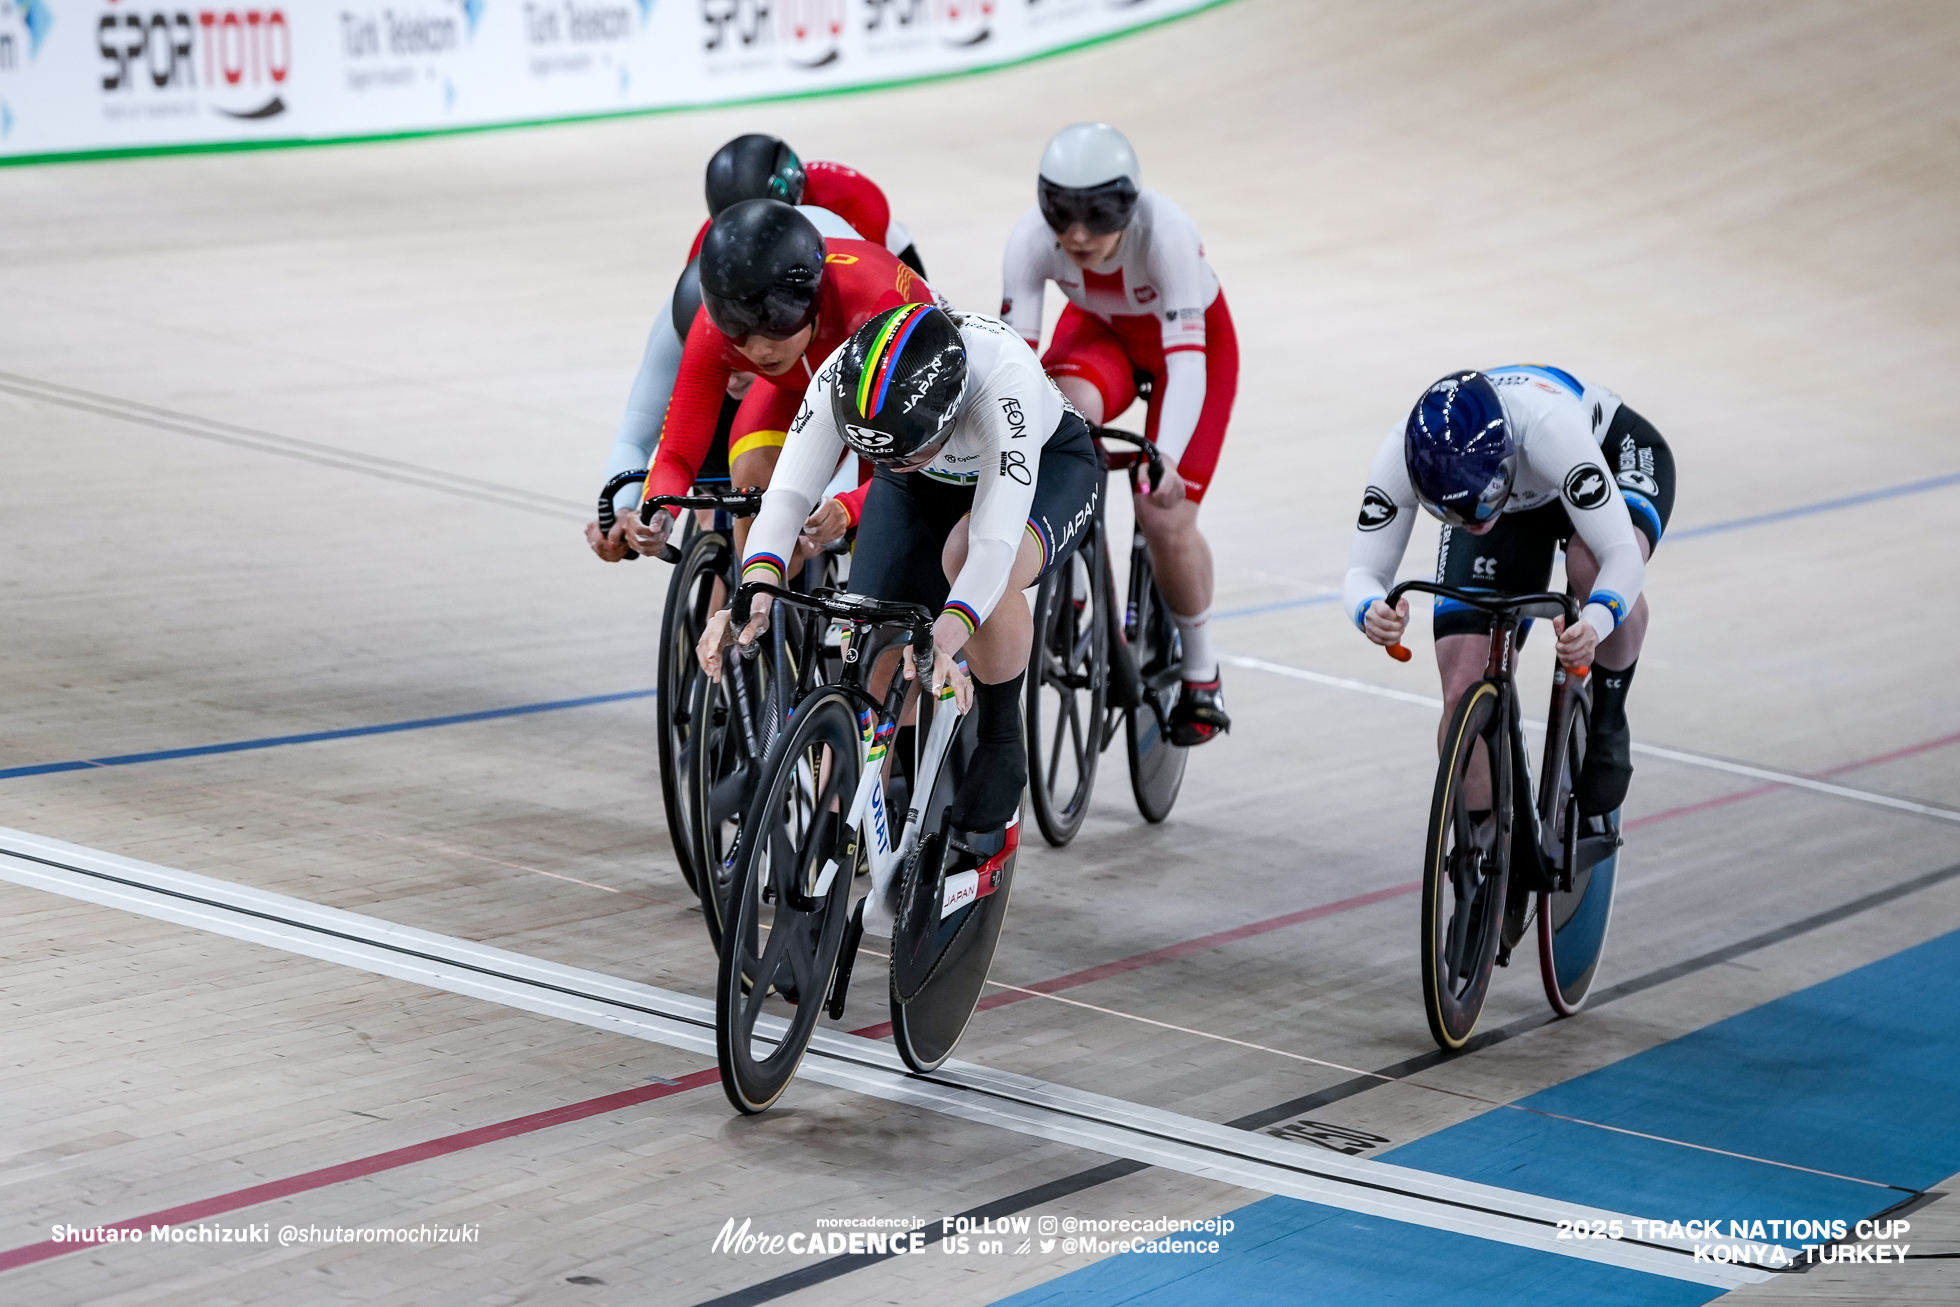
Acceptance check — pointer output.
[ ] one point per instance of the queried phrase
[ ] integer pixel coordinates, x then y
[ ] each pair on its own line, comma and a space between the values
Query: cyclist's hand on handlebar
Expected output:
828, 523
718, 634
1385, 625
1169, 492
651, 537
610, 545
1576, 644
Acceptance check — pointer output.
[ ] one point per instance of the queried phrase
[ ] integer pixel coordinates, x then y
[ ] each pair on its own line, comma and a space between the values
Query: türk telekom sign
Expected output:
88, 75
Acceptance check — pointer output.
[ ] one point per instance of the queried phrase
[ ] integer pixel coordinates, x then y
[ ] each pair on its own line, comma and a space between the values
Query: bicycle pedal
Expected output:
1504, 956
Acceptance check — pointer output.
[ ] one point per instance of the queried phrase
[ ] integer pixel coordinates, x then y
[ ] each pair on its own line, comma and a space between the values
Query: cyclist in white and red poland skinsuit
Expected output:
1143, 306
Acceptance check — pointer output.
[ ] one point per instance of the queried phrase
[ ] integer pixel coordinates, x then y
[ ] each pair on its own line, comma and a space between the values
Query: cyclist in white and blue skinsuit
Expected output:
1518, 462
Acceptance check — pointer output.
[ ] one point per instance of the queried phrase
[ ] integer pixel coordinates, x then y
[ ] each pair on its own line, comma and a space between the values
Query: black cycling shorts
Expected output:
908, 516
1516, 555
714, 464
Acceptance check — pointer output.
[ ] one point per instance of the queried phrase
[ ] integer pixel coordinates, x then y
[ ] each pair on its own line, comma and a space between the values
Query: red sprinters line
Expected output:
1654, 819
536, 1121
299, 1184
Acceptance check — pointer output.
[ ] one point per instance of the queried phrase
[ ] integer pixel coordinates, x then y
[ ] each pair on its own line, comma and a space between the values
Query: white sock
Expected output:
1200, 663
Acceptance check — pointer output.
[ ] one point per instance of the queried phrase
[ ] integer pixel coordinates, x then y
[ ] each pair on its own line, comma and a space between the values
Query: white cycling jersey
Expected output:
660, 365
1007, 415
1159, 272
1557, 422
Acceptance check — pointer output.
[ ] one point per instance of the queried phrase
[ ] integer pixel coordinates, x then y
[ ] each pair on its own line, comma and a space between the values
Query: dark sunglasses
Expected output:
1102, 209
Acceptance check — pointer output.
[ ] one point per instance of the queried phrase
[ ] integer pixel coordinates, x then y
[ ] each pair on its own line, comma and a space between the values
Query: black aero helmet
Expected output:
761, 267
898, 385
753, 167
1461, 457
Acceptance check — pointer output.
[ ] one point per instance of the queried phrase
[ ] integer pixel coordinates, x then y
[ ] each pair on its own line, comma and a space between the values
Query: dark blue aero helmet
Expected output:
1461, 457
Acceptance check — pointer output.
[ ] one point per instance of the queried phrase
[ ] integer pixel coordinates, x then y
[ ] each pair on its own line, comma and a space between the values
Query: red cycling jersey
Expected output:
846, 192
860, 280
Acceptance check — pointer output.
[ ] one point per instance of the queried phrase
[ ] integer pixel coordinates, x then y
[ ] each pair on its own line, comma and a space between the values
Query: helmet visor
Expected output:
1102, 209
1472, 510
778, 313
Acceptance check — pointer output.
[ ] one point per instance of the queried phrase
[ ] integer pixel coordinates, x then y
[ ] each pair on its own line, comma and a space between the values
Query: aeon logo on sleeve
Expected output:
162, 61
805, 33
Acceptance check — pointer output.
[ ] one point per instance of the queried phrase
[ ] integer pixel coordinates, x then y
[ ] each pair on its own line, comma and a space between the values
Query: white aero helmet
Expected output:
1089, 175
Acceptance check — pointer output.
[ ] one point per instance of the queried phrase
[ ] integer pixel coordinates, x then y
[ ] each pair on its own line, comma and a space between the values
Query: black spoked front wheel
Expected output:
725, 764
692, 594
1067, 692
1466, 866
790, 904
1156, 765
1574, 915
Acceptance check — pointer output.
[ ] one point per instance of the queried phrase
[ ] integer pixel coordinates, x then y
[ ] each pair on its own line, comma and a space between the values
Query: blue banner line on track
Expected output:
315, 737
124, 760
1858, 1075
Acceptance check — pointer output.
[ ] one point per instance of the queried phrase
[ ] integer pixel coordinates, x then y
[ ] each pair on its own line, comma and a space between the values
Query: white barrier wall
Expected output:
91, 75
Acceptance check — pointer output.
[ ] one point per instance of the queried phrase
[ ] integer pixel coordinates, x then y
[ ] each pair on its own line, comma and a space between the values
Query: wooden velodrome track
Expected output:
302, 442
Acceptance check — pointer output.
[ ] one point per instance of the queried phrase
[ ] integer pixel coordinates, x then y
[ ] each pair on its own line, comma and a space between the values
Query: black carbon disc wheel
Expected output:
791, 904
1573, 922
1067, 693
1466, 866
940, 958
692, 593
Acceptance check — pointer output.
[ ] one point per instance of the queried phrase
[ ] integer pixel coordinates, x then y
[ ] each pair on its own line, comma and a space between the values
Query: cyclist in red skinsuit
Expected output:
853, 197
860, 280
841, 201
1142, 300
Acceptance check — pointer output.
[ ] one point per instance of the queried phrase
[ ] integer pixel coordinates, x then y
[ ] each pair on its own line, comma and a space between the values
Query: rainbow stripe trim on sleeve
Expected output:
764, 567
876, 378
1047, 546
965, 613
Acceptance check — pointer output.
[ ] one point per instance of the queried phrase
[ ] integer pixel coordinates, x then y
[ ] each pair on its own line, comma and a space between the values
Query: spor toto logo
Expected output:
239, 58
808, 33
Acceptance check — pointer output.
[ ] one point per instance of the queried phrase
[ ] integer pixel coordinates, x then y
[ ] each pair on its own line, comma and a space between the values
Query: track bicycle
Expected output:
712, 735
823, 815
1095, 670
1488, 871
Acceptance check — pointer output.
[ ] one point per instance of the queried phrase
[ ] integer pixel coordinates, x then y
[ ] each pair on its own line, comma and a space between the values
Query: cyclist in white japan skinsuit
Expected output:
1583, 471
986, 479
1142, 300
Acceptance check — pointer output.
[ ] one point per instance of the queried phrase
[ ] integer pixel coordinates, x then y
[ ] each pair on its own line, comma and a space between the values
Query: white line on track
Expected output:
962, 1090
1652, 750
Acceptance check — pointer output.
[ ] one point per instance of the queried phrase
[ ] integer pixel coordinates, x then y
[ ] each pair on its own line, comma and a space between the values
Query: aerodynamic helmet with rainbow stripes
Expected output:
899, 383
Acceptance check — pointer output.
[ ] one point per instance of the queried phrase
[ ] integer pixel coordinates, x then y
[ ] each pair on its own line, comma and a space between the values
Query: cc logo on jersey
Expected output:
865, 437
1587, 487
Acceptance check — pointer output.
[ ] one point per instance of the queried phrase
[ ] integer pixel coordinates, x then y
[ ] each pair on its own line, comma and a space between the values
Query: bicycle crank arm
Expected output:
840, 980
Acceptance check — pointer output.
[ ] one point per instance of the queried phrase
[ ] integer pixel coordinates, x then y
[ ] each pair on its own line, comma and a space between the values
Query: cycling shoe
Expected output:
991, 790
1199, 716
1602, 783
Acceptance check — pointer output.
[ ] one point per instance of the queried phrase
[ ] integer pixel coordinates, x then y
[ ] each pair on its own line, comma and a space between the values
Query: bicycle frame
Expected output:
1550, 862
877, 725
